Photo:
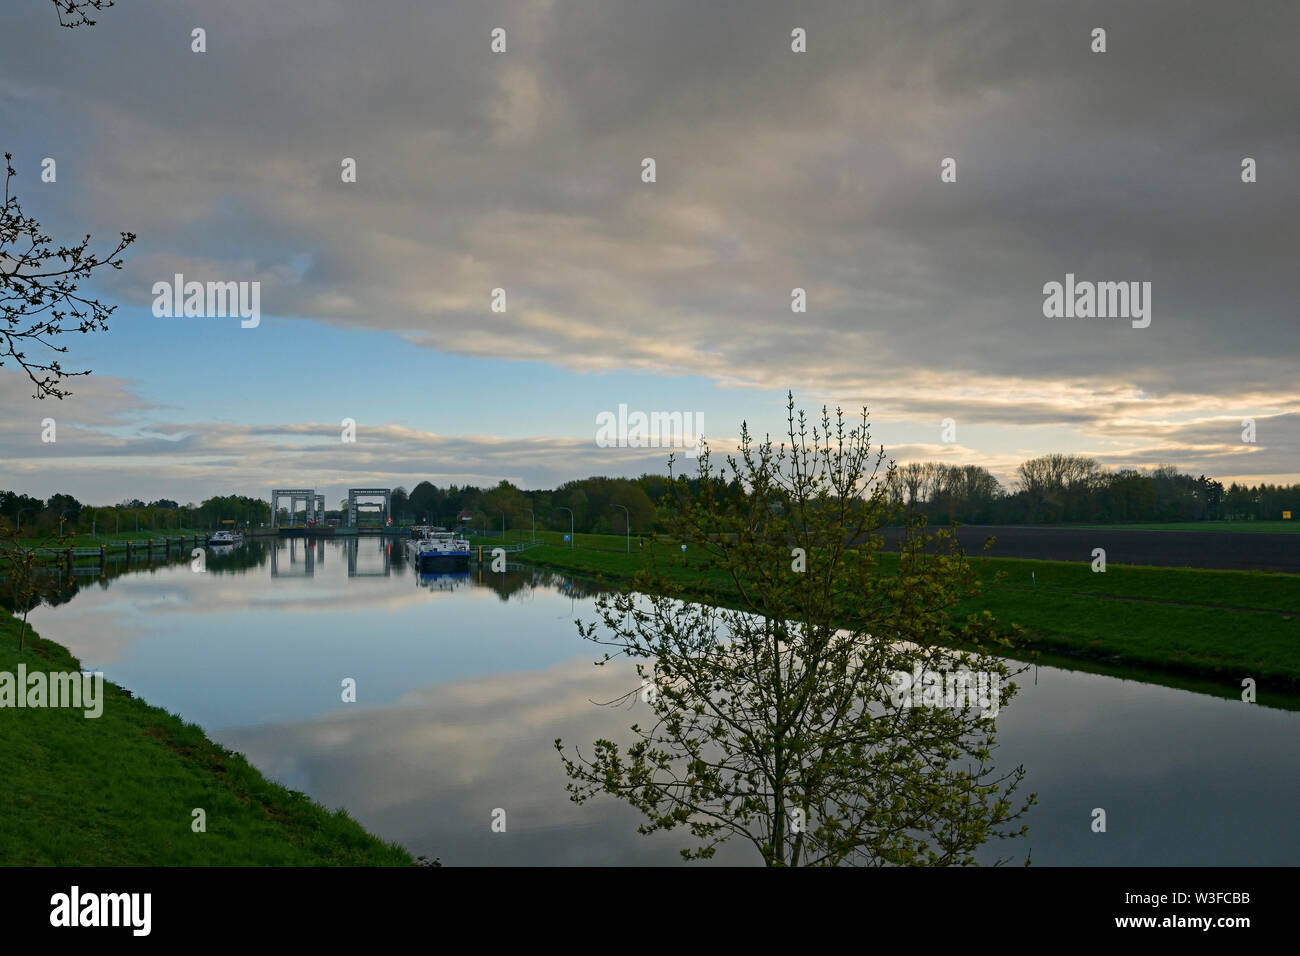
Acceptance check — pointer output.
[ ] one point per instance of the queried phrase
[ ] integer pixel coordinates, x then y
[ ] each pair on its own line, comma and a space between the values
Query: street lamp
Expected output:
503, 527
570, 511
629, 526
534, 520
21, 511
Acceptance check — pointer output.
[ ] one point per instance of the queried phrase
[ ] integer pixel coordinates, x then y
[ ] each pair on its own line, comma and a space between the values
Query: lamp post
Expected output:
503, 527
21, 512
534, 520
629, 526
570, 511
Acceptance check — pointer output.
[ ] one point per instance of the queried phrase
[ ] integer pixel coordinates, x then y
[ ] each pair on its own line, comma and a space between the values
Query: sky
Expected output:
774, 170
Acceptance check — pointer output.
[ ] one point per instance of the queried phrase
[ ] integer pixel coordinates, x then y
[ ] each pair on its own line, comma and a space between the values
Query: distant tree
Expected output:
400, 504
640, 508
425, 502
13, 505
63, 506
912, 477
1128, 495
1057, 486
38, 293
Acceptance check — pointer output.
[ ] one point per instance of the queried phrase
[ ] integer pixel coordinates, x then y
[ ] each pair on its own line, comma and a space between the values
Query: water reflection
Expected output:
464, 682
443, 582
378, 560
301, 554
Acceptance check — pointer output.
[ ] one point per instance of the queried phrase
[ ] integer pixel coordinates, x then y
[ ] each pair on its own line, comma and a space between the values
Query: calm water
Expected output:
463, 685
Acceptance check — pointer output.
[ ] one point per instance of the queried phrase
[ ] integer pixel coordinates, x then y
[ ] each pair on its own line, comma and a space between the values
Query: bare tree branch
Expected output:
38, 292
73, 13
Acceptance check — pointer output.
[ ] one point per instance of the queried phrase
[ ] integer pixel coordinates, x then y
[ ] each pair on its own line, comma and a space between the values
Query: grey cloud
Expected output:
775, 170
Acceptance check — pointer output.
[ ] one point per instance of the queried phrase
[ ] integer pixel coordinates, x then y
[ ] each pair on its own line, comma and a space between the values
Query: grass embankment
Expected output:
120, 789
1223, 625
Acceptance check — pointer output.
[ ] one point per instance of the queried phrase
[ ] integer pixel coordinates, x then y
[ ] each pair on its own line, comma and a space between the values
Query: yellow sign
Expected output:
1286, 516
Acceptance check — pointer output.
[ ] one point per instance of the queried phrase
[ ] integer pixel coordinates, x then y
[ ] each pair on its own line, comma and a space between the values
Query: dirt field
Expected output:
1192, 549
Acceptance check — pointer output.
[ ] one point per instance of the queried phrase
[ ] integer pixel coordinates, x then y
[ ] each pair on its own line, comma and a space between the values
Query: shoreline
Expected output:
122, 789
1115, 656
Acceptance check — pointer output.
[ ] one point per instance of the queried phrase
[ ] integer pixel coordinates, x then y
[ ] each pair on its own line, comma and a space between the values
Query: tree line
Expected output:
64, 513
1049, 489
1059, 488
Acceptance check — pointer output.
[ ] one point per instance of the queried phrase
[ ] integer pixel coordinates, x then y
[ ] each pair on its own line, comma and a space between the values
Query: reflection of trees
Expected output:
519, 580
778, 722
516, 580
54, 586
250, 554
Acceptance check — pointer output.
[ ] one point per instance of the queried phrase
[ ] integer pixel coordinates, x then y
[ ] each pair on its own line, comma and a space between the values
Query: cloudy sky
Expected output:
775, 169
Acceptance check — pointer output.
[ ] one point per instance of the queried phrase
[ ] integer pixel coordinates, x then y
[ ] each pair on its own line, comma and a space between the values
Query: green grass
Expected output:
1223, 625
118, 790
1258, 590
596, 542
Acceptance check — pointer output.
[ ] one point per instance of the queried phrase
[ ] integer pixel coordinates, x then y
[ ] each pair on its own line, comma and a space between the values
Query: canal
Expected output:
464, 682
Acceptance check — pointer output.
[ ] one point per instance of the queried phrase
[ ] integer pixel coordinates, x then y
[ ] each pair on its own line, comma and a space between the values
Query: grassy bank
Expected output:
1222, 625
120, 789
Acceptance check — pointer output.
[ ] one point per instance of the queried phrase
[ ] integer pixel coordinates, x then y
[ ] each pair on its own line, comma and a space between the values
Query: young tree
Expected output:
775, 709
38, 293
20, 566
